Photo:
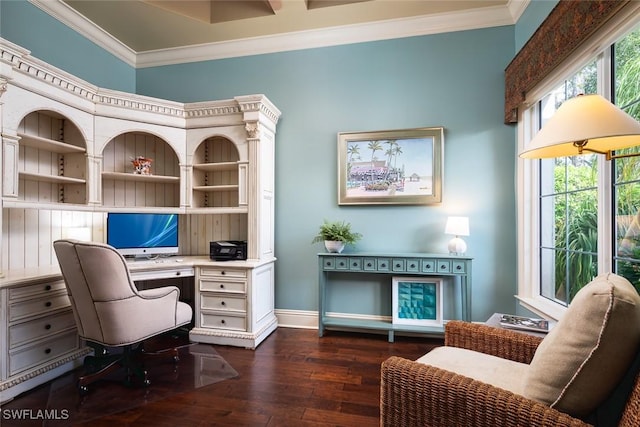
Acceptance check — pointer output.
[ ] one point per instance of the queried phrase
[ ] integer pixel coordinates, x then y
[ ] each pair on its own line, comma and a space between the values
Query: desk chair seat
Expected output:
111, 313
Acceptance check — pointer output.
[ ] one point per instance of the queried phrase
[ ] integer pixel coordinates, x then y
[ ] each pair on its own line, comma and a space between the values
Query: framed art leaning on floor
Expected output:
417, 301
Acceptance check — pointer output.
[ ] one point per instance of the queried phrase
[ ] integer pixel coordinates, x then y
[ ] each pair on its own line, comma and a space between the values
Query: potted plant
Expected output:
336, 235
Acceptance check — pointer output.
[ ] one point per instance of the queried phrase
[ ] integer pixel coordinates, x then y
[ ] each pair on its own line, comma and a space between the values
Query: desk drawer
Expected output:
32, 307
239, 287
221, 321
44, 288
171, 273
223, 303
43, 352
236, 273
23, 333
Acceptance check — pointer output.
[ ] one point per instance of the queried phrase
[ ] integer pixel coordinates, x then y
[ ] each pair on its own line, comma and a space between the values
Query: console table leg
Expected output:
390, 336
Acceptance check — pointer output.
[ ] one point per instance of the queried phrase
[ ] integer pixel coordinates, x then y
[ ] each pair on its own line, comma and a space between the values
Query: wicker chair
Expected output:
416, 394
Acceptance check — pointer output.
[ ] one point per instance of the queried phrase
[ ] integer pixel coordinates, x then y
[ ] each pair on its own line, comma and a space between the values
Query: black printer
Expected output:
228, 250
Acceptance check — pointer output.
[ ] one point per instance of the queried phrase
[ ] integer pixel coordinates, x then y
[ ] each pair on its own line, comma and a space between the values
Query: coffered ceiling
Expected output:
149, 32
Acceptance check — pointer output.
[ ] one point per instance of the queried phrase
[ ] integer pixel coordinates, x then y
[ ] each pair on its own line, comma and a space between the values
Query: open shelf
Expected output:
51, 178
213, 188
121, 187
47, 144
220, 166
51, 150
123, 176
216, 175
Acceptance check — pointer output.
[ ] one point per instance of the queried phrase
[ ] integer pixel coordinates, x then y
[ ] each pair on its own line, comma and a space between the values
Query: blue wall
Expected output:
49, 40
455, 80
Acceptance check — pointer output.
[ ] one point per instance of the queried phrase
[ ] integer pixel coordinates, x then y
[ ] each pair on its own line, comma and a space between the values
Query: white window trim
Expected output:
527, 215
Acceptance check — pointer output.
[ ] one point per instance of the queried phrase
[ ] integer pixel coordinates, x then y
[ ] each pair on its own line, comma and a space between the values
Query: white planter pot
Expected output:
335, 247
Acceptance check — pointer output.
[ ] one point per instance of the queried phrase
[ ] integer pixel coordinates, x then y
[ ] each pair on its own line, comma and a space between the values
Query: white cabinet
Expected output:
38, 339
234, 303
67, 147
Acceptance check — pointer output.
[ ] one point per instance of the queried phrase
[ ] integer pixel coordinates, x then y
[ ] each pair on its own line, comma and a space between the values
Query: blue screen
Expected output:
142, 230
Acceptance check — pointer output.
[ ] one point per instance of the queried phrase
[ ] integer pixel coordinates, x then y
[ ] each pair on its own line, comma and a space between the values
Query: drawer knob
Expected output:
177, 273
221, 286
47, 304
458, 267
47, 288
412, 266
223, 321
443, 266
223, 303
383, 265
397, 265
223, 272
428, 265
47, 351
369, 264
47, 326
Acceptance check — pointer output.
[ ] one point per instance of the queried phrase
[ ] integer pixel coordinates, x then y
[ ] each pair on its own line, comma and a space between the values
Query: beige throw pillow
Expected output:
587, 353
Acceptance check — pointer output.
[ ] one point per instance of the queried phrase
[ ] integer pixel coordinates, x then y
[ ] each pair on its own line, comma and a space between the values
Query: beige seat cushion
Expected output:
586, 354
506, 374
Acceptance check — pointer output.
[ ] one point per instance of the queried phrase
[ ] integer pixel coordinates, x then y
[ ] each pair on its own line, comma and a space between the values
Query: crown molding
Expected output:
87, 28
333, 36
517, 8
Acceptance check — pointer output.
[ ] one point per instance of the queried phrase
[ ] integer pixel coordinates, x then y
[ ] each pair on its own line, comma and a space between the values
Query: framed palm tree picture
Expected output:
390, 167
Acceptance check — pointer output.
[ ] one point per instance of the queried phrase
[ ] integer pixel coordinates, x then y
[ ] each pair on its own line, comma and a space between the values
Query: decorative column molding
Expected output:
10, 150
94, 178
4, 84
253, 130
568, 25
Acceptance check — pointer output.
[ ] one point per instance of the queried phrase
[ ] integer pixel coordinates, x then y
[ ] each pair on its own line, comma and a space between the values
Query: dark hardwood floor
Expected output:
294, 378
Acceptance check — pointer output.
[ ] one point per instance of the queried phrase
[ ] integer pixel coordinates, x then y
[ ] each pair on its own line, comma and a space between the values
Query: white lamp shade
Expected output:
457, 225
589, 118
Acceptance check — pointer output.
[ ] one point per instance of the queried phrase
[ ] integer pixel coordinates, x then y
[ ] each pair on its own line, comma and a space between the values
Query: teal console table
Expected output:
411, 264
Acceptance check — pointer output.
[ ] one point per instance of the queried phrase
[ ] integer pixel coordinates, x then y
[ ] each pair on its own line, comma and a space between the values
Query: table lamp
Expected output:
458, 226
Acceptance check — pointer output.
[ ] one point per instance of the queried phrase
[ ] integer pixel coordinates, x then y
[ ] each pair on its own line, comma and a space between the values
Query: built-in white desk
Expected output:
233, 305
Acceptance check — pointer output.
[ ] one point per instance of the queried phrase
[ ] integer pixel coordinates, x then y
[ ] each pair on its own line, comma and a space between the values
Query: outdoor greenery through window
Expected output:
626, 171
569, 223
568, 205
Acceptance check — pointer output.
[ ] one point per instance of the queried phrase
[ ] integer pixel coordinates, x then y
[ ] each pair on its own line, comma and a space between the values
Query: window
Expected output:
580, 216
568, 205
626, 171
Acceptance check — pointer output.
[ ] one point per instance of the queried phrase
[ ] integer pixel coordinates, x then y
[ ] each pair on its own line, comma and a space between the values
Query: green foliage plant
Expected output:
337, 231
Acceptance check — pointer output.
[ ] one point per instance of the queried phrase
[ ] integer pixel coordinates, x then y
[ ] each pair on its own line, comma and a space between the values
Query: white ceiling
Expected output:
157, 32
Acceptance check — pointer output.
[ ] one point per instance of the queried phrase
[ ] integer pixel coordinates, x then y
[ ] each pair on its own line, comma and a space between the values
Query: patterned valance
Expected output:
569, 24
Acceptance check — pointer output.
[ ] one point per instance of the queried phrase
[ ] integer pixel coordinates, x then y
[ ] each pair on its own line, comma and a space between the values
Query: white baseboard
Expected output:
302, 319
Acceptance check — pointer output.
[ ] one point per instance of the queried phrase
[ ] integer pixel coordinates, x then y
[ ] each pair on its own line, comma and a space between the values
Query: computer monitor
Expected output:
143, 234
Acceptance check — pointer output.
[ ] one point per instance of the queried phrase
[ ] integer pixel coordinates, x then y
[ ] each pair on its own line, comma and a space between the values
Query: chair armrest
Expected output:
504, 343
415, 394
159, 292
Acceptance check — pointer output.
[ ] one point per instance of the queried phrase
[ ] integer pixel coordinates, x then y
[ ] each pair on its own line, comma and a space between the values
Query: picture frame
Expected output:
391, 167
417, 301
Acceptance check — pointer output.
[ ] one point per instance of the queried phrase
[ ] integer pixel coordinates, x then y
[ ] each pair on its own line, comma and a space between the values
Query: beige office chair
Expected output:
111, 312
